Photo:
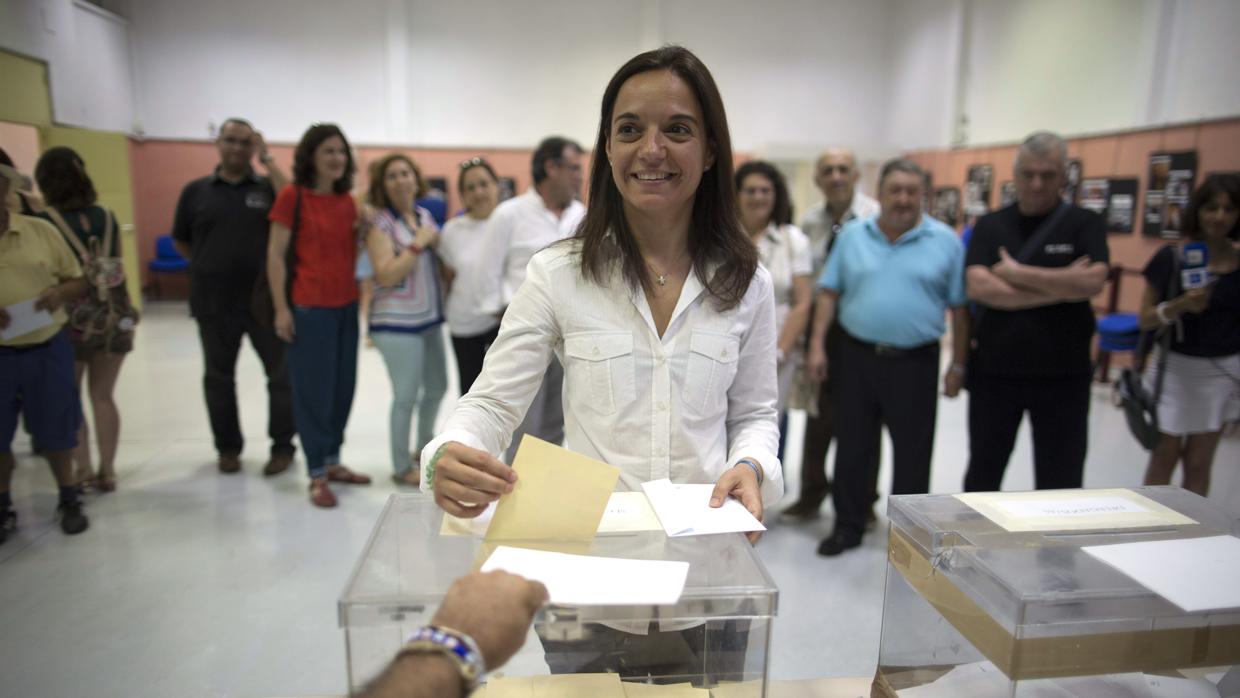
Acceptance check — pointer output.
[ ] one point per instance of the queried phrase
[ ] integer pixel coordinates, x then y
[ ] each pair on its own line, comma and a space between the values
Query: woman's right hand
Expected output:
284, 325
467, 480
426, 236
1196, 300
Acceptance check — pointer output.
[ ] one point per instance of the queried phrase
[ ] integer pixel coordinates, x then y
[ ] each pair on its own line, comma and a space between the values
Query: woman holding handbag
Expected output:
406, 313
317, 313
1200, 363
102, 322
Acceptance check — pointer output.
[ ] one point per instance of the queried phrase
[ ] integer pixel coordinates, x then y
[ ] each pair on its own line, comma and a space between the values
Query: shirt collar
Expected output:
909, 236
251, 177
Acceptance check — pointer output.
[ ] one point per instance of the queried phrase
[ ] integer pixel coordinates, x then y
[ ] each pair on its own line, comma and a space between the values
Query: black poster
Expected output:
1007, 194
1121, 209
947, 205
977, 188
1074, 182
1170, 185
507, 188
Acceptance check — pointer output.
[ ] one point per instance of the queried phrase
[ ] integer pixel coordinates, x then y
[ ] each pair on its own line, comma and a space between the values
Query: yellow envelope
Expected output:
559, 495
676, 690
561, 686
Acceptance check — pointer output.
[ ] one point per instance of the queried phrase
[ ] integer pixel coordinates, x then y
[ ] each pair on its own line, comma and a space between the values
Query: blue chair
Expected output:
437, 207
167, 261
1117, 332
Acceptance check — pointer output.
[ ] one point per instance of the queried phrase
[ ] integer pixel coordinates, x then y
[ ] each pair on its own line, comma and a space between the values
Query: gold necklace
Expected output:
661, 279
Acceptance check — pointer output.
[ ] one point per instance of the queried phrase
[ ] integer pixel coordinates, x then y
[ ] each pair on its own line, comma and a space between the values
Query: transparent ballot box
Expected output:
978, 605
716, 638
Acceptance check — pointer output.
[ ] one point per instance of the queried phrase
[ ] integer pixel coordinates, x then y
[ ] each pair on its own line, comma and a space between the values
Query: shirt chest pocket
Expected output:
600, 370
709, 372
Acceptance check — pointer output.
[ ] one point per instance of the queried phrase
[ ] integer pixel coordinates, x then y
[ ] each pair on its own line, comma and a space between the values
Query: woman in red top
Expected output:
319, 321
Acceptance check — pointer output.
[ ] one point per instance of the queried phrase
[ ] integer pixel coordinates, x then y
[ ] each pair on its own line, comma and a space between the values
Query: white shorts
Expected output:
1199, 395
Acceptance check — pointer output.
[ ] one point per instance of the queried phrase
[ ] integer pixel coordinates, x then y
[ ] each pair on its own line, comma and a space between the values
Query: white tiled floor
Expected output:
194, 584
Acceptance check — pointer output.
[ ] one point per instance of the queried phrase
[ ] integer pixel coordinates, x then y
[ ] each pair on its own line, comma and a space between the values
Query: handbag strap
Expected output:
1043, 231
1164, 332
71, 237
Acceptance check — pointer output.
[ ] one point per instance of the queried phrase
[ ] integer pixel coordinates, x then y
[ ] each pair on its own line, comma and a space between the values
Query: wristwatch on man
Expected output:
453, 644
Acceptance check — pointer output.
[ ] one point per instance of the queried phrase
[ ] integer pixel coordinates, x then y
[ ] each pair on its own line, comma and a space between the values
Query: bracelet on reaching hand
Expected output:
757, 471
430, 467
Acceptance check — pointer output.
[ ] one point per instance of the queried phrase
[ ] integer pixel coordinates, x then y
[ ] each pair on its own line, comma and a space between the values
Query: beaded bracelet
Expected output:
430, 467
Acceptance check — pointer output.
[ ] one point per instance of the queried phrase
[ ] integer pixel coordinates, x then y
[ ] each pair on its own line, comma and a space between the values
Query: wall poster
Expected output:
1073, 183
1121, 205
947, 205
1170, 185
977, 188
1007, 194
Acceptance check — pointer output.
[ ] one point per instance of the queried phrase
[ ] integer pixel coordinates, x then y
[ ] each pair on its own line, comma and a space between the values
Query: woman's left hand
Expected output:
740, 482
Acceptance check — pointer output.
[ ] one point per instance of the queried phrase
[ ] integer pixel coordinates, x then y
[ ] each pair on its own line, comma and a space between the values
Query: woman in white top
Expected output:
473, 329
766, 214
657, 307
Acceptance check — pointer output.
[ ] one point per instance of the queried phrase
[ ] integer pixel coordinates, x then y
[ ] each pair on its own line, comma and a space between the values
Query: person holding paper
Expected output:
38, 275
1201, 373
668, 343
489, 611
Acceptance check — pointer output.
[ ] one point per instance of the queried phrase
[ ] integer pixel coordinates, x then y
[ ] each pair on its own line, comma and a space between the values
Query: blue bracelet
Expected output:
756, 470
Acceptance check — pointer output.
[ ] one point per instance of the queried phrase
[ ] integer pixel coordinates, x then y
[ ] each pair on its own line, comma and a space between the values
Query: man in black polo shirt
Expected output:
1031, 268
221, 227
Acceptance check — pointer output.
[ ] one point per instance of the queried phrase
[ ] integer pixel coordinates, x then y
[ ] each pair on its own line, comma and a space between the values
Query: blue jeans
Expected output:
322, 366
419, 372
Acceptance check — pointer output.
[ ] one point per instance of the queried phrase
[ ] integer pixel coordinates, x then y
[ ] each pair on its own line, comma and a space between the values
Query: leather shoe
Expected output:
320, 494
229, 463
837, 543
279, 463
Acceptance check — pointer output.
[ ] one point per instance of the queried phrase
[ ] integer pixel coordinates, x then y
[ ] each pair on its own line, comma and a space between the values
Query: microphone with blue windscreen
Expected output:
1193, 273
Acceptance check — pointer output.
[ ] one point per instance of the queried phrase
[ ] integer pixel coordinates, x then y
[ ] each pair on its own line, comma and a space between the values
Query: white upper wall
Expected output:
796, 75
87, 53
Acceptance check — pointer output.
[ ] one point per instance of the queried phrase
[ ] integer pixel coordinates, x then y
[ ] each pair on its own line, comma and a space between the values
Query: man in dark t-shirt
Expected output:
1033, 326
221, 227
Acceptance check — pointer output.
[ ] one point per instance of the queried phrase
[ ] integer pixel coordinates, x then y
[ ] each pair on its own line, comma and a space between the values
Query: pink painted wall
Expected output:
1120, 155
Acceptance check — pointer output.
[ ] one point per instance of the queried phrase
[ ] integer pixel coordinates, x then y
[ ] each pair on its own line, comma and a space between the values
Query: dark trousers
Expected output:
1059, 414
705, 654
900, 391
322, 364
470, 351
220, 336
820, 429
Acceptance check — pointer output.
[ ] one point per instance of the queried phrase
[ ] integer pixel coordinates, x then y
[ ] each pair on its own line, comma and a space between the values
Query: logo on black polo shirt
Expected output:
1060, 248
257, 199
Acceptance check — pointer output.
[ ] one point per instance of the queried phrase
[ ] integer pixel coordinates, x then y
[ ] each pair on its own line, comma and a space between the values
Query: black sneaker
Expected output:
8, 524
72, 520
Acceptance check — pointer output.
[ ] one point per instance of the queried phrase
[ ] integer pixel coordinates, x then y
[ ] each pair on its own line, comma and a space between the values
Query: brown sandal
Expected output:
339, 473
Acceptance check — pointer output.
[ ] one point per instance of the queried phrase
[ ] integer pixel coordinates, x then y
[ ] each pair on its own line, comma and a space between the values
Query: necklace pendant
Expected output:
662, 280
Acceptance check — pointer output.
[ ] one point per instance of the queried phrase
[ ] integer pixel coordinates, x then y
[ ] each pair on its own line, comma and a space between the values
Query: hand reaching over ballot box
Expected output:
465, 480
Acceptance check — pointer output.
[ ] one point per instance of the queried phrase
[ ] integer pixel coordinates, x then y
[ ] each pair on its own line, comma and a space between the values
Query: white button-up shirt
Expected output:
517, 229
820, 228
685, 406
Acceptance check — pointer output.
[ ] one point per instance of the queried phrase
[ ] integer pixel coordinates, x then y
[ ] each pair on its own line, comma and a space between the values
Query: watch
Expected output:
454, 645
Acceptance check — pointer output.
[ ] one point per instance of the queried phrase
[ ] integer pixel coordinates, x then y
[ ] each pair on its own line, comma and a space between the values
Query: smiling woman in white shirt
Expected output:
657, 307
473, 327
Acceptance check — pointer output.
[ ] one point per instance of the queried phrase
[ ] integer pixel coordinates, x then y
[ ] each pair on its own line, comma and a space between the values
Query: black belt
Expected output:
890, 352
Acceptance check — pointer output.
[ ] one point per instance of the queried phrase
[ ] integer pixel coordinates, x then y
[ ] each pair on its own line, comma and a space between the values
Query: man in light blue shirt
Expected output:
891, 280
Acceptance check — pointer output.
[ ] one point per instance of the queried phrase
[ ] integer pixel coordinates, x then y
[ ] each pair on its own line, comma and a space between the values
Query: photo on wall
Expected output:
947, 205
437, 187
507, 188
1007, 194
1121, 205
978, 183
1073, 184
1093, 195
1170, 185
